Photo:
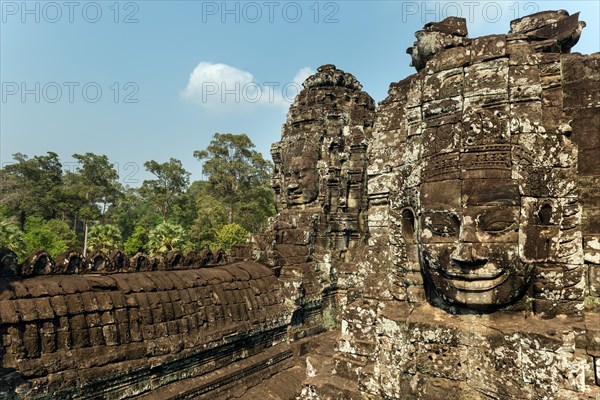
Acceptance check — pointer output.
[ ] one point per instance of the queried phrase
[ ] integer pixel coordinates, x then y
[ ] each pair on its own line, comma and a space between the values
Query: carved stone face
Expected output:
468, 241
423, 49
435, 37
300, 181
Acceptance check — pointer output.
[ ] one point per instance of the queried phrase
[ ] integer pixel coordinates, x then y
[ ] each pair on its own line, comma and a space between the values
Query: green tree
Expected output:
54, 236
137, 241
211, 215
132, 211
12, 238
32, 186
166, 237
238, 177
172, 180
105, 238
185, 209
92, 188
230, 235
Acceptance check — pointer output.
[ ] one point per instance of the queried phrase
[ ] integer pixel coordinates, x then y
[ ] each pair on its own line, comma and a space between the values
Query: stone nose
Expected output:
292, 187
465, 253
468, 233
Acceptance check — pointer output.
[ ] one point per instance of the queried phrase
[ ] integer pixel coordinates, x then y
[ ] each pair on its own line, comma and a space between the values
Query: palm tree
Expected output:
12, 238
166, 237
105, 238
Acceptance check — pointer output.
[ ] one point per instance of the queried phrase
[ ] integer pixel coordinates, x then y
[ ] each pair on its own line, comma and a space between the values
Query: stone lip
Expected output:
329, 76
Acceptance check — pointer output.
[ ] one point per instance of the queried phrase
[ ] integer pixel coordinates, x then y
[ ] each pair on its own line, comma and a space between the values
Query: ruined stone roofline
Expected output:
547, 31
329, 83
329, 75
74, 263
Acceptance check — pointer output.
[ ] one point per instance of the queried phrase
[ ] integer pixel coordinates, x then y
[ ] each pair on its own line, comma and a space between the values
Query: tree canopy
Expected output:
171, 181
32, 185
238, 176
45, 205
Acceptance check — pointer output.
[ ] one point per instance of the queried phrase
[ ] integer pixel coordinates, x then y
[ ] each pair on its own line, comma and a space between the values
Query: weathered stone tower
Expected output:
320, 186
480, 274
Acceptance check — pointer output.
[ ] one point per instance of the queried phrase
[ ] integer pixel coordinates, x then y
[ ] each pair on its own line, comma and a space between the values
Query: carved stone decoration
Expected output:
468, 241
155, 263
472, 158
204, 257
300, 181
70, 262
40, 263
118, 261
437, 36
318, 137
160, 262
480, 208
60, 333
8, 263
219, 257
98, 262
190, 259
139, 263
550, 31
173, 259
243, 252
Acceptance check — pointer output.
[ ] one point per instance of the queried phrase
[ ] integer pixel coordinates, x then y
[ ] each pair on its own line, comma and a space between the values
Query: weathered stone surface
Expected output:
555, 31
491, 203
435, 37
448, 239
110, 324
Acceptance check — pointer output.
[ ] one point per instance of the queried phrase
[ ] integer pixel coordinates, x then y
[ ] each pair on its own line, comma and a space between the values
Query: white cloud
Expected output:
302, 75
223, 88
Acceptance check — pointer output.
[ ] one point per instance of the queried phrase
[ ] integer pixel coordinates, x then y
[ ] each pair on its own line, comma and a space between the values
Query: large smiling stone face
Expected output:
468, 241
300, 181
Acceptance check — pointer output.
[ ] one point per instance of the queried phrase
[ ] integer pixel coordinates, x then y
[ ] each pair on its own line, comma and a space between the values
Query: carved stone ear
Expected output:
408, 225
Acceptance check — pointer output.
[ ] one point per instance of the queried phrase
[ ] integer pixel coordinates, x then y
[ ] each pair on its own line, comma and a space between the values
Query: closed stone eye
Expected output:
444, 226
442, 230
499, 226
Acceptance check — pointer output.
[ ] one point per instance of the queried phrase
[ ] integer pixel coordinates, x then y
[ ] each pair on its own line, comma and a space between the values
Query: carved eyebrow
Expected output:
439, 207
443, 213
505, 201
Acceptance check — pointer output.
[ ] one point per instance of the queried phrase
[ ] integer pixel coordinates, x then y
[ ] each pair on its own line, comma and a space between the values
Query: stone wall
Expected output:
117, 336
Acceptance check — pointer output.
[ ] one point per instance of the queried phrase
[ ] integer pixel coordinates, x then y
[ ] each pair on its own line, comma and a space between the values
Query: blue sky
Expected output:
141, 80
